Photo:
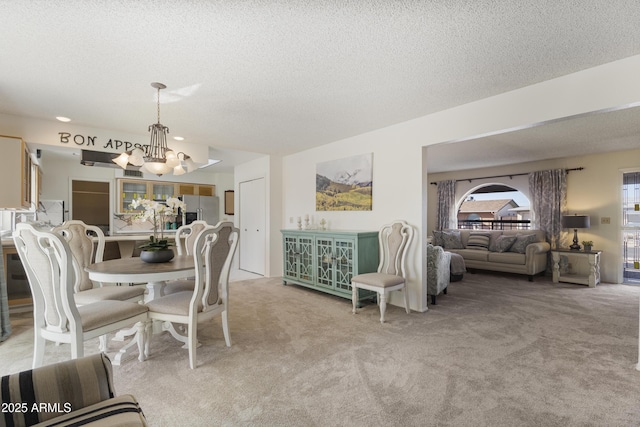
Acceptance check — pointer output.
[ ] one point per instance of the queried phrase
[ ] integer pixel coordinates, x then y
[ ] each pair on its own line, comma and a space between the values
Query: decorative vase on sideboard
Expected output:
165, 255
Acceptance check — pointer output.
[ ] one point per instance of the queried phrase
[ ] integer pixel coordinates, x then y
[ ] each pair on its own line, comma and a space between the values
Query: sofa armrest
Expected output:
537, 248
47, 392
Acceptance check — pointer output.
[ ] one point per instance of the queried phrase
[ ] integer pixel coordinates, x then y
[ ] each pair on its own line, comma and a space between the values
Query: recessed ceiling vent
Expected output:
129, 172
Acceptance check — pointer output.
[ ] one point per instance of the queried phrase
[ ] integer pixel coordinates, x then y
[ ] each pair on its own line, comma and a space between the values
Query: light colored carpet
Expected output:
496, 351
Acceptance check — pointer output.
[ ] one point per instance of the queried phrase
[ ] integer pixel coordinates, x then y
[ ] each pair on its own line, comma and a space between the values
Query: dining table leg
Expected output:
140, 338
154, 290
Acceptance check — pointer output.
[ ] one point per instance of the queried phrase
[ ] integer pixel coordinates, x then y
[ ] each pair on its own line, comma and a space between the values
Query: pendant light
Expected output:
157, 158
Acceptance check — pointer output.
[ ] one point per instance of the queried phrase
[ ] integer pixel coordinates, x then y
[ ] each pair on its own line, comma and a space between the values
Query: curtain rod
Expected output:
506, 176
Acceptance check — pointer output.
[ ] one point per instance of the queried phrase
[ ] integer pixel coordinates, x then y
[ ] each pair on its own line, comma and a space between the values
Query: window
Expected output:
494, 206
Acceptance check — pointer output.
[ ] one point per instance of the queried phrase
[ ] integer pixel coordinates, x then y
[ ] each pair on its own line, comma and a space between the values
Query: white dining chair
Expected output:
213, 253
48, 264
79, 236
185, 240
394, 240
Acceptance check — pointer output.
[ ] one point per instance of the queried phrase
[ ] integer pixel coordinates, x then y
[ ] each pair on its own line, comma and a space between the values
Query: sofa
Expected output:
77, 392
509, 251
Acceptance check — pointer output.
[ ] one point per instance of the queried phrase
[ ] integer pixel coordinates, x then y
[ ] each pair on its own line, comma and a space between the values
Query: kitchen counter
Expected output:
126, 242
7, 242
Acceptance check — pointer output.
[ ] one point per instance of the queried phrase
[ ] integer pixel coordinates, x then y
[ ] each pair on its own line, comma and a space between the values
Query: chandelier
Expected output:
157, 158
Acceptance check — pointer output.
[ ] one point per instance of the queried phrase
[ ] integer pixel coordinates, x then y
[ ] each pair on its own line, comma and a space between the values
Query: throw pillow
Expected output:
451, 240
437, 238
521, 243
479, 241
503, 243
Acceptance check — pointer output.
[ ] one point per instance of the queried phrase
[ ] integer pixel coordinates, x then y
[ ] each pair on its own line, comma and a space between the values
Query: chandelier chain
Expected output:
158, 105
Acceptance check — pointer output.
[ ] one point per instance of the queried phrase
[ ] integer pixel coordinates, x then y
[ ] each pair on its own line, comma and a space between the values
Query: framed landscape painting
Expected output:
345, 184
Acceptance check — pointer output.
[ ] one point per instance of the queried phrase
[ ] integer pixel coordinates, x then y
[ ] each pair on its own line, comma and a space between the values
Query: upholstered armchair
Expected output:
78, 392
438, 271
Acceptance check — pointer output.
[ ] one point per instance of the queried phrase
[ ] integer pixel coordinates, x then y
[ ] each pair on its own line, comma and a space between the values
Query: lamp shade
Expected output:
576, 221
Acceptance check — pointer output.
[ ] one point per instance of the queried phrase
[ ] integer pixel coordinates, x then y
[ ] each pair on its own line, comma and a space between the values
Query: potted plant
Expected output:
588, 245
157, 249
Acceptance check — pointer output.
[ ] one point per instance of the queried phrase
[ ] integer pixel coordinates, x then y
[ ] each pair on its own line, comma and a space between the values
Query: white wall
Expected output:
396, 176
47, 132
399, 190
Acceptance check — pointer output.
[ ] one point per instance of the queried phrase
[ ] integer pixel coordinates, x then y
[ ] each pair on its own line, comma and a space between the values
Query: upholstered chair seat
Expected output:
116, 293
381, 280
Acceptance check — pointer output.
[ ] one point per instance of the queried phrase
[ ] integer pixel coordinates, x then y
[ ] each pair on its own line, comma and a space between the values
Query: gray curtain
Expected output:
446, 216
5, 325
548, 191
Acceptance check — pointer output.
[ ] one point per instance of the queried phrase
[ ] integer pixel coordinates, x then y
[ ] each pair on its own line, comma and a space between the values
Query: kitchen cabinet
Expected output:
18, 290
196, 189
130, 189
163, 190
22, 193
327, 260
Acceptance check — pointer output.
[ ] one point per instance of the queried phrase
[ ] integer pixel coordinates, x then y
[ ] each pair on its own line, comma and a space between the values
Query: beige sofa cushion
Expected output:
507, 258
472, 254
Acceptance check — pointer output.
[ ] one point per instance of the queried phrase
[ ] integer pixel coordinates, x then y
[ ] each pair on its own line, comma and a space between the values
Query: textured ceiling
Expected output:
284, 76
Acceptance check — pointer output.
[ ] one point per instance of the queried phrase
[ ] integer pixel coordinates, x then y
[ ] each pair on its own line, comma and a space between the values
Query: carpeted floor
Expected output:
496, 351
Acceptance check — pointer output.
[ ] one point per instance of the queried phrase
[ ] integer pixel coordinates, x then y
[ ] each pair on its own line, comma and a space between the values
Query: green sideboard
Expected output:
327, 260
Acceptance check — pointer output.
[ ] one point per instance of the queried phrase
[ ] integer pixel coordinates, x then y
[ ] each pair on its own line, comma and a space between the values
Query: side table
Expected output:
576, 266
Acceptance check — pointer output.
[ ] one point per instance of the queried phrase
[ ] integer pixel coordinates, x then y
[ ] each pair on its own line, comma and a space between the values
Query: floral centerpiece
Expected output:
158, 214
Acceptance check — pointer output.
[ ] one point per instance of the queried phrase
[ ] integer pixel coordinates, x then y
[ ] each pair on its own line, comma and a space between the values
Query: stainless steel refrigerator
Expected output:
202, 208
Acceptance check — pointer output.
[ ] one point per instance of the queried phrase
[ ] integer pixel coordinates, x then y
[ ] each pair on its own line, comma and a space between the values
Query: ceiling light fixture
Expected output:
63, 119
157, 158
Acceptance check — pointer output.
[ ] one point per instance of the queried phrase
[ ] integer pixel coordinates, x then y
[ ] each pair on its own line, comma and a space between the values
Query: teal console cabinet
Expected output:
327, 260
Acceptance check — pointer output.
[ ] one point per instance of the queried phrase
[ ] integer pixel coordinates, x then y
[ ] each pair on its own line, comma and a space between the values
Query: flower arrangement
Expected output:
157, 213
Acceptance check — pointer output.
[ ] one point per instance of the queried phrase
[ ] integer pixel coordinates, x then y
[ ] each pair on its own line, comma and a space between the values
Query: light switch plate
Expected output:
605, 220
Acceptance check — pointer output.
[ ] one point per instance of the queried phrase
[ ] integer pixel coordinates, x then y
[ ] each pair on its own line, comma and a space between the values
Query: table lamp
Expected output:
575, 222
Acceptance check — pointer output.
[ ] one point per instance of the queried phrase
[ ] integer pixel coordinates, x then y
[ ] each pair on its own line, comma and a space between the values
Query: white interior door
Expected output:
253, 213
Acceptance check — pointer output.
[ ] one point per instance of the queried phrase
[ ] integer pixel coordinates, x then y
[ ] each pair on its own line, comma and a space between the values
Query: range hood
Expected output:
102, 159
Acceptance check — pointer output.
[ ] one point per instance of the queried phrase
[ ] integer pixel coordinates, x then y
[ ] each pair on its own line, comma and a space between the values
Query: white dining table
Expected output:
134, 270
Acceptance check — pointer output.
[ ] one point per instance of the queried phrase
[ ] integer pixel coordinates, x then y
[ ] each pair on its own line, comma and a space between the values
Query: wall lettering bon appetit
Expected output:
90, 141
